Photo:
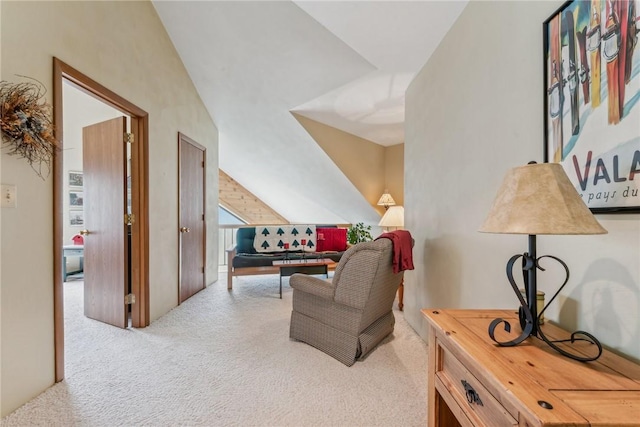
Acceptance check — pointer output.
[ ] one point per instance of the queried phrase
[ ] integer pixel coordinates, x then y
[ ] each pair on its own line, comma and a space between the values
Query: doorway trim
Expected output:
139, 192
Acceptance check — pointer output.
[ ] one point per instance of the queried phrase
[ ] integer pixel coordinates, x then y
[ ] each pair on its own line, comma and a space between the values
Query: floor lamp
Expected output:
394, 217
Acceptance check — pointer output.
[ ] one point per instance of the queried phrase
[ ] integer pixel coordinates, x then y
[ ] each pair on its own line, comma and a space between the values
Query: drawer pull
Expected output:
472, 396
545, 404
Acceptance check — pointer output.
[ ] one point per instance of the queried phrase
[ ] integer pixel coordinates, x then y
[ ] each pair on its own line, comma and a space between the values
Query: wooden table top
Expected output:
604, 392
302, 262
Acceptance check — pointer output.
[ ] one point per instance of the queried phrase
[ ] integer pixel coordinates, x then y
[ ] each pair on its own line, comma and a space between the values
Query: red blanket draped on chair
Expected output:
402, 249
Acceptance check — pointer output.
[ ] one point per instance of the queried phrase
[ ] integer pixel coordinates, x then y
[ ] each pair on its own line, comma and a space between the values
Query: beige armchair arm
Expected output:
312, 285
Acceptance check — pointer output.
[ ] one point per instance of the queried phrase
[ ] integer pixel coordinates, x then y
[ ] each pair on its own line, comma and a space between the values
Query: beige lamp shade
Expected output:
386, 200
539, 199
394, 217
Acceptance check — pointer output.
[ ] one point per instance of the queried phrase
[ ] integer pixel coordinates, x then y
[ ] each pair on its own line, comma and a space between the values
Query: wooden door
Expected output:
191, 220
105, 241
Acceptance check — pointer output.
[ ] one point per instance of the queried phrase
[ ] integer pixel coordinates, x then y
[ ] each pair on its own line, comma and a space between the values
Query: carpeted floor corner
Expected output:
224, 358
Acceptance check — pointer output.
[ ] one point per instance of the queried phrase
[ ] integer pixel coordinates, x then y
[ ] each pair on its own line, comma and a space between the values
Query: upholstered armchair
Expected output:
346, 317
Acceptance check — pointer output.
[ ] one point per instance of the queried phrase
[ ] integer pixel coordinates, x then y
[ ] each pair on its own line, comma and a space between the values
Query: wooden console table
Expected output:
474, 382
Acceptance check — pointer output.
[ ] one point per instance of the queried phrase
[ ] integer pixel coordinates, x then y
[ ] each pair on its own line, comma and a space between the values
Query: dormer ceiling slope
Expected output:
346, 64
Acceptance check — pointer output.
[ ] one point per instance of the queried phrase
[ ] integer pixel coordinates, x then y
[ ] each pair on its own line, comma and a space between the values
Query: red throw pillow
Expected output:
331, 239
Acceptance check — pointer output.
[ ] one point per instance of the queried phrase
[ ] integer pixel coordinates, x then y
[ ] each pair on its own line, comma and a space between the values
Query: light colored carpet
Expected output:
223, 359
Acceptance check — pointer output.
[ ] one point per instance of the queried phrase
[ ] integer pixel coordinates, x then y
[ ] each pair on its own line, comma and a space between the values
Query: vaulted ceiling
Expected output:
345, 63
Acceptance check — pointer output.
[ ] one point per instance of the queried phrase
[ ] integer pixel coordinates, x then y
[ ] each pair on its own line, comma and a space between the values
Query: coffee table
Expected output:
304, 266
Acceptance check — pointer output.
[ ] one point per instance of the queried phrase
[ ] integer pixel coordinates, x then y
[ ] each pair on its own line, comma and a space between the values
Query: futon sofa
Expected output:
257, 247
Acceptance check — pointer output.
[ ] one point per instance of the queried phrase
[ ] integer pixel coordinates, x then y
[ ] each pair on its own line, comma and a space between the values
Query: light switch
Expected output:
9, 196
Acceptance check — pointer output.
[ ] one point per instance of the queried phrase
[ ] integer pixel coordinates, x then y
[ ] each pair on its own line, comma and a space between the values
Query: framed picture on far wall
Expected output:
75, 179
76, 198
76, 218
592, 100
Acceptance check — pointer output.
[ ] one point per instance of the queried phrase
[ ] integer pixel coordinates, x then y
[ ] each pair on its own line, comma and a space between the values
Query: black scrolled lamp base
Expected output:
529, 318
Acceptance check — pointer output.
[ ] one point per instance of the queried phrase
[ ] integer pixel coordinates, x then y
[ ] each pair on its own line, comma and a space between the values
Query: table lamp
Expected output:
539, 199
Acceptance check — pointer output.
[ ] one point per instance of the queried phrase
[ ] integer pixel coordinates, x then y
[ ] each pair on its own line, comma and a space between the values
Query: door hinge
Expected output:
203, 163
203, 269
130, 299
129, 138
129, 219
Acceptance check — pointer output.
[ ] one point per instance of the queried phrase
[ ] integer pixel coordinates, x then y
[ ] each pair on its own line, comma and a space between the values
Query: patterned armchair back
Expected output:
364, 279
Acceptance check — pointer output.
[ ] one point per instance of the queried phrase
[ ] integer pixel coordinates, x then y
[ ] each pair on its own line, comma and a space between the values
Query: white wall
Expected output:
123, 46
474, 111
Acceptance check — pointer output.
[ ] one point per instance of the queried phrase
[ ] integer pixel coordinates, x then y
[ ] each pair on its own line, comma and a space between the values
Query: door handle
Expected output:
84, 232
184, 229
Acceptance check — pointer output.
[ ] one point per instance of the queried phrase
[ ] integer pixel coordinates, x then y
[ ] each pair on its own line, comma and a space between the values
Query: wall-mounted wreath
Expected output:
25, 122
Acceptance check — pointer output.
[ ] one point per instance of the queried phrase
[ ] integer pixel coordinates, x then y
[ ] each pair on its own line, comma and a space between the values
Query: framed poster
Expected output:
76, 198
76, 218
592, 100
75, 179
